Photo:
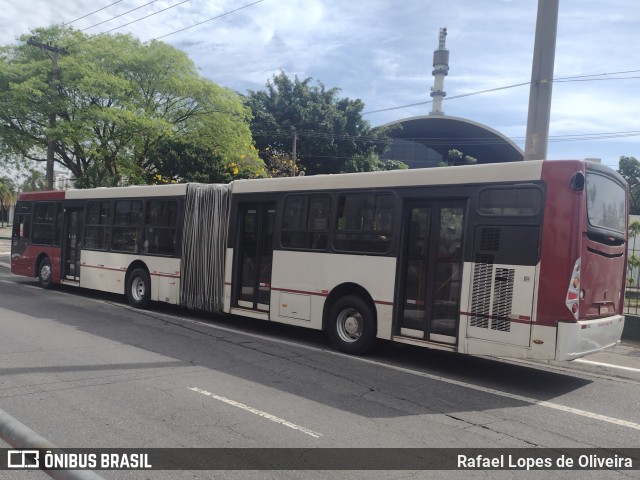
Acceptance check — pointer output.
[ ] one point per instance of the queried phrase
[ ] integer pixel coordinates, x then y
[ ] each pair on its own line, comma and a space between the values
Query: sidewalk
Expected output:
5, 232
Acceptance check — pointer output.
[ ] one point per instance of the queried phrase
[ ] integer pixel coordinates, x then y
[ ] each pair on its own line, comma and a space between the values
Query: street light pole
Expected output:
55, 50
544, 52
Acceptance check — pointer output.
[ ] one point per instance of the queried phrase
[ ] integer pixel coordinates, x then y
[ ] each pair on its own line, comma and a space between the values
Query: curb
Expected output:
20, 436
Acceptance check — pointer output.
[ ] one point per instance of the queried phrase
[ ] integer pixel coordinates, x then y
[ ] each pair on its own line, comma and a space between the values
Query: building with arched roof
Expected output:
425, 141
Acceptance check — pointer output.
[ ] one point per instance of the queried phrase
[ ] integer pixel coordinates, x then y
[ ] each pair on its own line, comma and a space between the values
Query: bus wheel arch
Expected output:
350, 319
44, 271
138, 285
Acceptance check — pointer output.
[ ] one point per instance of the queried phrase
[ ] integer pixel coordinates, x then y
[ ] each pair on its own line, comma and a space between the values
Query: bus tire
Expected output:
351, 325
45, 273
139, 288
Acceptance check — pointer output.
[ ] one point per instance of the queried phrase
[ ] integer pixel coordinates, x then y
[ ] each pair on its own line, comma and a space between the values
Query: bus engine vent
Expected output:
481, 295
502, 299
490, 239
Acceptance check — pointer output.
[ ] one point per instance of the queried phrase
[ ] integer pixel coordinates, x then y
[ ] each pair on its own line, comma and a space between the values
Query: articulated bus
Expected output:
521, 260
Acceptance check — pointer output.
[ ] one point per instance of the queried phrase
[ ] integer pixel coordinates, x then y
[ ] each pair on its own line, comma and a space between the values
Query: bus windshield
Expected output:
606, 203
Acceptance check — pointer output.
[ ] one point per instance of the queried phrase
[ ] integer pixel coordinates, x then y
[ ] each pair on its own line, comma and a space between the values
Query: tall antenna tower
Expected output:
440, 70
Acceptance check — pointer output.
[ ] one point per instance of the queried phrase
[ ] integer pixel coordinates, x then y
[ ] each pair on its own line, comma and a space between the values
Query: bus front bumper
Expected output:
577, 339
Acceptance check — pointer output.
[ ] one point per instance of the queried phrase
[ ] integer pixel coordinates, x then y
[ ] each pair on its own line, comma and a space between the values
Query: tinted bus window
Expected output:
606, 203
306, 222
364, 223
126, 226
160, 227
96, 231
44, 216
513, 202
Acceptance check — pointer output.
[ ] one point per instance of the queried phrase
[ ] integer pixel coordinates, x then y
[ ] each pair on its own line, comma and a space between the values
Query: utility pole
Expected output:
294, 150
544, 52
55, 50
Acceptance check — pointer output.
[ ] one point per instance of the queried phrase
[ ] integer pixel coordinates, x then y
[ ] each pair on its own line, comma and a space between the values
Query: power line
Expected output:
146, 16
469, 141
205, 21
577, 78
88, 14
118, 16
160, 11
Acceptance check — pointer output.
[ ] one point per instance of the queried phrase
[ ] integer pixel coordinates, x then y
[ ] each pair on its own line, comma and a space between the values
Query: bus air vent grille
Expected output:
490, 239
481, 295
502, 299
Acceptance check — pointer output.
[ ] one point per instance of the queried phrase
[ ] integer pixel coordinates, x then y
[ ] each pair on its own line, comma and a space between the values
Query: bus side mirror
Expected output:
577, 182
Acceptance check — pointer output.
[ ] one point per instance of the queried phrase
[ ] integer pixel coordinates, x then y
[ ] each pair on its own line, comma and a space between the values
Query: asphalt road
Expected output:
83, 369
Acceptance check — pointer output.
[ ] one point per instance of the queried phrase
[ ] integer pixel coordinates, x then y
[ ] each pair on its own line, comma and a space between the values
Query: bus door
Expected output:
72, 243
255, 254
431, 271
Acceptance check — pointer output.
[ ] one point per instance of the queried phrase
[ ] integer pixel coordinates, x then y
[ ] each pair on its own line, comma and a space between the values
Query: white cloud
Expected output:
381, 52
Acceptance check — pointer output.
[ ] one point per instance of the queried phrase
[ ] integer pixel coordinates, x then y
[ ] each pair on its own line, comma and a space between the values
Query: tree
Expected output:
119, 105
8, 193
329, 130
456, 157
629, 168
633, 261
34, 182
372, 163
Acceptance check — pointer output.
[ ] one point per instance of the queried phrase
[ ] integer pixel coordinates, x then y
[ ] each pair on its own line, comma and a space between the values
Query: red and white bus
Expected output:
523, 260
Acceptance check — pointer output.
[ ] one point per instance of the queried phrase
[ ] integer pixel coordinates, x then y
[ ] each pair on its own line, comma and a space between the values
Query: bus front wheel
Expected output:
139, 288
351, 325
44, 273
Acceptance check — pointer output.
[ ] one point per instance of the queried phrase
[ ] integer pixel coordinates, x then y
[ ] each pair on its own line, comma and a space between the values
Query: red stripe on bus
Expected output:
165, 275
325, 293
123, 269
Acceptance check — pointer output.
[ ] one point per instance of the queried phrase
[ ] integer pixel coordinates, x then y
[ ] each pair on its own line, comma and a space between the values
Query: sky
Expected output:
381, 51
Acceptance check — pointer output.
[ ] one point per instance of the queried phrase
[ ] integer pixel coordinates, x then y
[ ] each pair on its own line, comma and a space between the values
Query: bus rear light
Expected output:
573, 292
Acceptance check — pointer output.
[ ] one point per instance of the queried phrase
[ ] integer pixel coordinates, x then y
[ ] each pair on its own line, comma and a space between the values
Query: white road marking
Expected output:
609, 365
6, 265
260, 413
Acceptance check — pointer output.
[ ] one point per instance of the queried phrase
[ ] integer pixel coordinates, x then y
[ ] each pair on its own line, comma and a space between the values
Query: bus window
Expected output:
96, 231
364, 223
606, 203
21, 227
160, 227
306, 222
512, 202
44, 215
126, 224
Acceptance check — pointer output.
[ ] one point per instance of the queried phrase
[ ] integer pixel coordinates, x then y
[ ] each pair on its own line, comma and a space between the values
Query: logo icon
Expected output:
23, 459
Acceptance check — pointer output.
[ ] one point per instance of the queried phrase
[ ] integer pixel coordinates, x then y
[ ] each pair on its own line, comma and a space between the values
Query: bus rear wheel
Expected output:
139, 288
44, 273
351, 326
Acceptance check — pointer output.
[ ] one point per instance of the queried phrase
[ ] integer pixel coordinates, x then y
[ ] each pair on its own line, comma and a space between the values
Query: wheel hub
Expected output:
351, 325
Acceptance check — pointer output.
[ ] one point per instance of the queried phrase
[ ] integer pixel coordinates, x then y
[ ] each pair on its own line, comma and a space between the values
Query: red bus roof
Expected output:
48, 195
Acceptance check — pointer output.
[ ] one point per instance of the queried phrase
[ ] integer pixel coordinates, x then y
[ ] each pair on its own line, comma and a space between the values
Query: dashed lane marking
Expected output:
260, 413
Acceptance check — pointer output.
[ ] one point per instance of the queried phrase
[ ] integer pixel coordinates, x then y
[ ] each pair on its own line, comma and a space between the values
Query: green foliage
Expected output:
629, 168
456, 157
280, 164
181, 161
8, 194
330, 130
35, 181
119, 105
371, 163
